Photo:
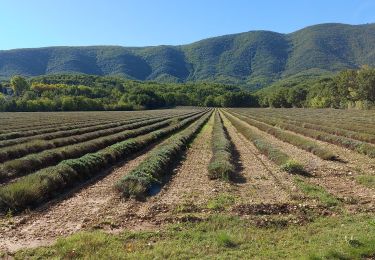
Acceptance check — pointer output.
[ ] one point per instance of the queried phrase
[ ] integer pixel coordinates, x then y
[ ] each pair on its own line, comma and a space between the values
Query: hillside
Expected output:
254, 58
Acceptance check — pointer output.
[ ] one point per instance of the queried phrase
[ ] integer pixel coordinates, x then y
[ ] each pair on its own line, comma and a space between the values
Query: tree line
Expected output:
89, 93
346, 89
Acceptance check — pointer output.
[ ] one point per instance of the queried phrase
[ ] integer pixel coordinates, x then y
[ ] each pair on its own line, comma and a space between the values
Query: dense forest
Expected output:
254, 59
84, 92
346, 89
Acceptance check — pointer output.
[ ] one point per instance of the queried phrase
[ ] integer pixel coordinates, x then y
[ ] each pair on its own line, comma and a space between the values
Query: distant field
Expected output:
188, 183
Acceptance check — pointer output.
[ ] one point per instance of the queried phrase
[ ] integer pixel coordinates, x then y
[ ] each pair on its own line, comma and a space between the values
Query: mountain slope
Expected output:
252, 58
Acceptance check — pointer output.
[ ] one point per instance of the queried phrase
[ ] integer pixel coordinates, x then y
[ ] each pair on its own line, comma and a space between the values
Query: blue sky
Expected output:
38, 23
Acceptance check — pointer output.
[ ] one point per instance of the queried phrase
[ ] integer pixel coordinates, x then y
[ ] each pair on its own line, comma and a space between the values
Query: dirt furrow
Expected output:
263, 181
188, 182
351, 161
65, 217
323, 171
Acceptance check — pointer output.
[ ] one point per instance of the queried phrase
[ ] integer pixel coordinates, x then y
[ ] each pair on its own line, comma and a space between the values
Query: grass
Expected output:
316, 192
223, 237
187, 206
221, 202
293, 166
366, 180
225, 240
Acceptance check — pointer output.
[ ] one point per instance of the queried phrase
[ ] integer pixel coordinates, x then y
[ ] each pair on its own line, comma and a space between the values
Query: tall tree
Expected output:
366, 83
19, 85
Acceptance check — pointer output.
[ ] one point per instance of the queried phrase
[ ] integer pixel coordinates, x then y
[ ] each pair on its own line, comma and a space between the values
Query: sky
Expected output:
40, 23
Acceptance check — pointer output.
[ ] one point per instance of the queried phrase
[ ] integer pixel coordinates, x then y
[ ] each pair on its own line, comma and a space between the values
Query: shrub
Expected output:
220, 166
292, 166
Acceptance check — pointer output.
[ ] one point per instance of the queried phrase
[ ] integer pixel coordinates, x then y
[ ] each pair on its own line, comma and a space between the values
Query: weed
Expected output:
366, 180
225, 240
316, 192
186, 207
221, 202
222, 237
292, 166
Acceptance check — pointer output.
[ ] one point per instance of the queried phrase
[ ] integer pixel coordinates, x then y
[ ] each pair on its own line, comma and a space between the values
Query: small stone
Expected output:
22, 221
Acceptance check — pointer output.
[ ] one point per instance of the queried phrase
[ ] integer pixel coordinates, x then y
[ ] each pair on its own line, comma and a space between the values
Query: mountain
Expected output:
253, 58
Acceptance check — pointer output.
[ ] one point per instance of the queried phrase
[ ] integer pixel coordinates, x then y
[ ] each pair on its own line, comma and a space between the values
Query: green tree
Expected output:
297, 96
144, 99
19, 85
279, 98
170, 99
68, 104
210, 101
2, 102
366, 84
347, 85
238, 99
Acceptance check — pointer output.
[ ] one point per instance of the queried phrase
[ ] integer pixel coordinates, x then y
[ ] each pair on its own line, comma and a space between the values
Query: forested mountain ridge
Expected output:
254, 58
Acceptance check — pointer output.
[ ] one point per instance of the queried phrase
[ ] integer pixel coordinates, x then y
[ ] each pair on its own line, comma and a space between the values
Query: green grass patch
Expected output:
293, 166
316, 192
186, 207
366, 180
221, 202
225, 240
223, 237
